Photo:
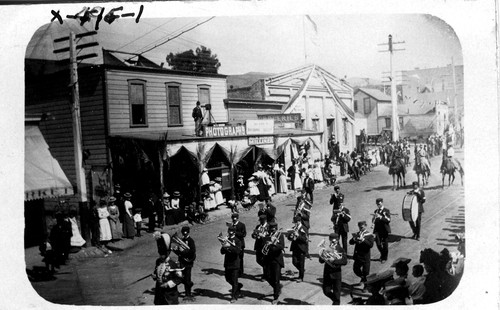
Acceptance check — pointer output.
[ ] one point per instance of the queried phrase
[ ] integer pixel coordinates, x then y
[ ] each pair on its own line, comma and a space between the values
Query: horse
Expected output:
422, 168
448, 167
397, 168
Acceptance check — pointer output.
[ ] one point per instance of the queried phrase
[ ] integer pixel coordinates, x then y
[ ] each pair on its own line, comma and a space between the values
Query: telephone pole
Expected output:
76, 121
394, 95
454, 94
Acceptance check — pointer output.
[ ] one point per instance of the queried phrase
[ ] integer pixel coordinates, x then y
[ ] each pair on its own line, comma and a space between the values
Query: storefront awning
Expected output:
43, 176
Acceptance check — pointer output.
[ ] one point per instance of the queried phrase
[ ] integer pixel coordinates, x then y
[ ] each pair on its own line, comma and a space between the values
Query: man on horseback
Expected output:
448, 160
422, 161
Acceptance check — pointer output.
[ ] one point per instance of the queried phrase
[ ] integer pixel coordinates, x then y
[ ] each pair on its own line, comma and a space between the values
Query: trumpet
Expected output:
225, 241
260, 232
360, 236
275, 237
293, 233
328, 254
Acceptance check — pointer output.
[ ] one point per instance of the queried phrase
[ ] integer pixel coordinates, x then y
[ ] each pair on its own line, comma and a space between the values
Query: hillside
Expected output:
247, 79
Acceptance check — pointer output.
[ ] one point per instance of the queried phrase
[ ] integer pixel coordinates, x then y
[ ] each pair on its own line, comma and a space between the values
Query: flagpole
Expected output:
304, 36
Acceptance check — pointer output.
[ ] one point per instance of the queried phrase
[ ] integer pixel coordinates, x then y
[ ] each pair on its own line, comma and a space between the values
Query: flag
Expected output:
315, 27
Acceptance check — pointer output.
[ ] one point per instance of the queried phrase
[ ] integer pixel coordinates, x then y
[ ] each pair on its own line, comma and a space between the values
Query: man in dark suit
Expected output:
308, 186
332, 273
241, 233
340, 219
186, 260
291, 173
259, 234
337, 198
274, 259
415, 226
198, 118
381, 228
363, 241
231, 249
299, 246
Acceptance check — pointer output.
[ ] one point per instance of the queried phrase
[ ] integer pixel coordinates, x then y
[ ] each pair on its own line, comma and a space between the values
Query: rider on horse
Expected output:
422, 159
448, 159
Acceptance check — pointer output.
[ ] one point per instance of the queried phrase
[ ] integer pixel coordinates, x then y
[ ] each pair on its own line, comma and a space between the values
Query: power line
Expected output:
140, 37
170, 39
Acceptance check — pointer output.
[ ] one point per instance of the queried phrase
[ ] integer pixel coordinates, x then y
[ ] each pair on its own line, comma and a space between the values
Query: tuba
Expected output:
275, 237
328, 254
181, 246
260, 232
224, 241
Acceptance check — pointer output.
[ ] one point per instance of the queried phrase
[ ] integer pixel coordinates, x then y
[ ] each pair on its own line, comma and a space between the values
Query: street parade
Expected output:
156, 179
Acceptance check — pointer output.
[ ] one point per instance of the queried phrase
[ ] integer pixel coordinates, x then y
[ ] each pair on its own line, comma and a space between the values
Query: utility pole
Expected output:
76, 122
454, 94
394, 95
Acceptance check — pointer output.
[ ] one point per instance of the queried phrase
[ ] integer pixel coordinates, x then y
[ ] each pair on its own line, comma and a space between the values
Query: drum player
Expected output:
415, 226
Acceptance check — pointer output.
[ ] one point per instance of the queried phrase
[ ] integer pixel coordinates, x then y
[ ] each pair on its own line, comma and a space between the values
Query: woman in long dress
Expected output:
297, 182
76, 239
128, 220
114, 220
219, 199
169, 212
282, 179
105, 230
253, 190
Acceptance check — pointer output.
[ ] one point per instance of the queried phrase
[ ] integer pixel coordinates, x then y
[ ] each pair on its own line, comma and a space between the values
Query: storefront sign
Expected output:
282, 118
223, 131
260, 140
260, 127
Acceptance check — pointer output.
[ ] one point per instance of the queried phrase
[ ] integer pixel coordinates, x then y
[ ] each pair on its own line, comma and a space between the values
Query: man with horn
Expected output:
231, 248
273, 259
167, 273
363, 241
299, 246
186, 251
259, 234
334, 259
336, 198
381, 228
241, 233
340, 219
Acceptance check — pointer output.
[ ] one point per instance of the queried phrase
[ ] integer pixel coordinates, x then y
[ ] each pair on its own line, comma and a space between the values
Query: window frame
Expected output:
365, 100
390, 122
179, 86
205, 86
131, 82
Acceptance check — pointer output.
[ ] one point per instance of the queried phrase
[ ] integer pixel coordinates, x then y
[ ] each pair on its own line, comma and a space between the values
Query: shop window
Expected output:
315, 123
387, 122
137, 101
355, 105
366, 105
174, 104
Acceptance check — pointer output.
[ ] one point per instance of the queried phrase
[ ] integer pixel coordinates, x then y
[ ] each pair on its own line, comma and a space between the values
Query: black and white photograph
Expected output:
234, 153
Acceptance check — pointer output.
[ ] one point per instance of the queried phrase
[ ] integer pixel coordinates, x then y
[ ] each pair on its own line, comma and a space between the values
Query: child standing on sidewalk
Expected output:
138, 222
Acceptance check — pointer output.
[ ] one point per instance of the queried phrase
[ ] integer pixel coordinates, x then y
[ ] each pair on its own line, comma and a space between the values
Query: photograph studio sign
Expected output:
224, 131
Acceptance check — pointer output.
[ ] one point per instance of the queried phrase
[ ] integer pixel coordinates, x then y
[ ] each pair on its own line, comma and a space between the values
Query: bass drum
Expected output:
410, 208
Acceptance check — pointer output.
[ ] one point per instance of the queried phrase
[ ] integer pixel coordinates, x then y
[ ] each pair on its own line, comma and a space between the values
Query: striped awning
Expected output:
43, 176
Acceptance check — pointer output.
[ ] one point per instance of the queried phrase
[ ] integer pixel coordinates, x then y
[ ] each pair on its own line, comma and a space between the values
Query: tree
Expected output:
200, 61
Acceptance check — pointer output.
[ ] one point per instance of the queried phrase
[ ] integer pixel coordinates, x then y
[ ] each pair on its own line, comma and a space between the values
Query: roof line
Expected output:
299, 93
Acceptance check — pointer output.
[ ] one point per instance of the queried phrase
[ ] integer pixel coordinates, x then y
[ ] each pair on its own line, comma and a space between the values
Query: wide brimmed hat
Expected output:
176, 194
111, 199
401, 260
240, 176
218, 179
333, 236
127, 195
166, 195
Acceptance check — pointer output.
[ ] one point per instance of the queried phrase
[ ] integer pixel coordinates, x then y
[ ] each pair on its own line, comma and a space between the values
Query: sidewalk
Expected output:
33, 257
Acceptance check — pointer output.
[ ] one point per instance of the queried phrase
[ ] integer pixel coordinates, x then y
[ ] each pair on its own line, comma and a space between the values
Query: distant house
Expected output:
369, 104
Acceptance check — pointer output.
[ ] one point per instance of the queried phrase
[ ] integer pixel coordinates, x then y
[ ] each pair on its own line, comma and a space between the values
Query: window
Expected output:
387, 122
174, 104
137, 101
355, 105
204, 94
401, 122
315, 123
366, 105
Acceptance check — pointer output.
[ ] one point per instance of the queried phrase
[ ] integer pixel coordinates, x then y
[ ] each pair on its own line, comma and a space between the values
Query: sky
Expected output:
345, 45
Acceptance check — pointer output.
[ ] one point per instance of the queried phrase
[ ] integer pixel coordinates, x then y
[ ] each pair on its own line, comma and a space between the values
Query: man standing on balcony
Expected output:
198, 118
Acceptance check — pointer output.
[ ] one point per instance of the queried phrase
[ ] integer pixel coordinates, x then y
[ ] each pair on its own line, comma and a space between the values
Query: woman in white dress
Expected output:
297, 182
105, 229
282, 179
76, 239
209, 201
252, 187
219, 199
269, 181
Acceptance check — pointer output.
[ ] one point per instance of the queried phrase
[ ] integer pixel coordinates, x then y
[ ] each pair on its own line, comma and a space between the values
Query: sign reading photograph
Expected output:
223, 131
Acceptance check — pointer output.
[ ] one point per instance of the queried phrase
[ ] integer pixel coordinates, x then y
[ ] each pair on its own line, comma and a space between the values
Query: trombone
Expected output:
224, 241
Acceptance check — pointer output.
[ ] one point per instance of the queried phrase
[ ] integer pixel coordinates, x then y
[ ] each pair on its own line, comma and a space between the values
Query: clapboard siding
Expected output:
156, 99
241, 114
50, 94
